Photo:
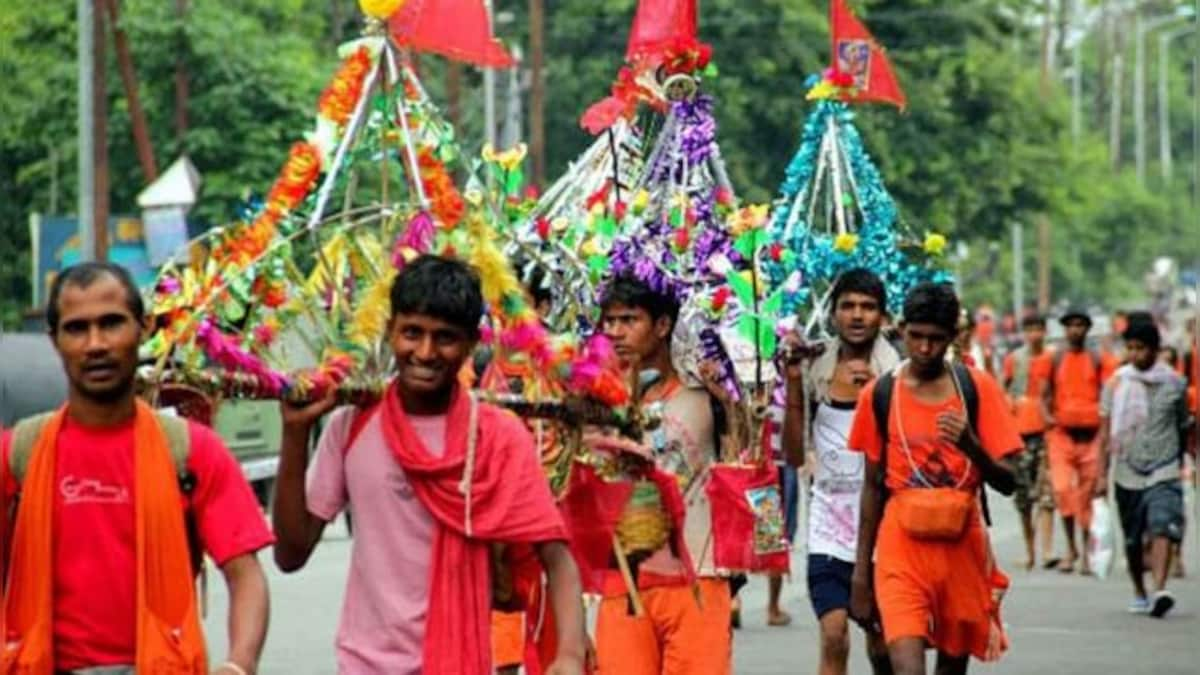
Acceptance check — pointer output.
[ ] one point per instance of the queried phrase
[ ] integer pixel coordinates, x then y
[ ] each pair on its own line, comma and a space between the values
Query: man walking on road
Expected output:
932, 433
1026, 372
116, 505
1144, 423
686, 628
821, 397
433, 477
1073, 400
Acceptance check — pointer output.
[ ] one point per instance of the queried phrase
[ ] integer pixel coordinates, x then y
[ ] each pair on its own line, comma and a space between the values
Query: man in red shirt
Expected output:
115, 557
1073, 400
1026, 372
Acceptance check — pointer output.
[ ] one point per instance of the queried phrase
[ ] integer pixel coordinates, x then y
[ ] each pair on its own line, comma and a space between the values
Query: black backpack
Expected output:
881, 405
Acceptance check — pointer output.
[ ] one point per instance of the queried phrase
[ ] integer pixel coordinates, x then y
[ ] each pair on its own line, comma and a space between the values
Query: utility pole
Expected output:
1139, 96
100, 140
1114, 129
137, 115
181, 74
1018, 280
489, 90
537, 89
85, 19
1043, 221
454, 72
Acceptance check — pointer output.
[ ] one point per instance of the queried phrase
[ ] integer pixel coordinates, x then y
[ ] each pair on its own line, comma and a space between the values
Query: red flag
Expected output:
456, 29
856, 53
660, 24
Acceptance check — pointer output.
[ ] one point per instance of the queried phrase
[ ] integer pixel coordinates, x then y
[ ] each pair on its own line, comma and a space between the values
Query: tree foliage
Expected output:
982, 145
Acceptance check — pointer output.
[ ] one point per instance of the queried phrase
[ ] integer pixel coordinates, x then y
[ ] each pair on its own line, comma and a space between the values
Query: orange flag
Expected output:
456, 29
857, 54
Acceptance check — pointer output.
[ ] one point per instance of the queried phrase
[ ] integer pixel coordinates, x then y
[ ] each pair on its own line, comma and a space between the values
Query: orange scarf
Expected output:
169, 638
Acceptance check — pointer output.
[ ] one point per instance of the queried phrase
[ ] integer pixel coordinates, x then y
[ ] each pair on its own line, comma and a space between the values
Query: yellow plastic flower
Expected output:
823, 90
380, 9
845, 242
935, 244
508, 159
641, 200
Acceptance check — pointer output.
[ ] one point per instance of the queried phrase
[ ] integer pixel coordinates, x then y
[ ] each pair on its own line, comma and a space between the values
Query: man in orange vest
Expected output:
101, 575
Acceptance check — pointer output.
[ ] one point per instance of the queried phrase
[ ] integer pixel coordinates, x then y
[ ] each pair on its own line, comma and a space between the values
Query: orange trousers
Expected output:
935, 590
676, 636
508, 639
1074, 469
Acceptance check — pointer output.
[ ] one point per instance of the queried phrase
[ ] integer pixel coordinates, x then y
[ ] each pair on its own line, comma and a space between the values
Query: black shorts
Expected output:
828, 583
1156, 511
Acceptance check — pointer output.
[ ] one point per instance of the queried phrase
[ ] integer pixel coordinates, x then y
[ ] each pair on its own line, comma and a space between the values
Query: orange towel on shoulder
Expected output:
169, 637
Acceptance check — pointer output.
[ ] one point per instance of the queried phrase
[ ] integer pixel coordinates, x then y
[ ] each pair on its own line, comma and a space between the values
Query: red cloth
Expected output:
660, 24
510, 501
456, 29
95, 577
592, 506
734, 519
856, 53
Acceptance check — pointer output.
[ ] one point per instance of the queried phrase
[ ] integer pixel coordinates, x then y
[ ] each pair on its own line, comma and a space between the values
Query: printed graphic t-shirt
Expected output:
94, 558
837, 484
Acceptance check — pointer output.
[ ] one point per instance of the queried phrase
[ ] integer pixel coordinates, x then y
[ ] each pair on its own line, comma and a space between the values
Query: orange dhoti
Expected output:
508, 639
937, 590
676, 636
1074, 469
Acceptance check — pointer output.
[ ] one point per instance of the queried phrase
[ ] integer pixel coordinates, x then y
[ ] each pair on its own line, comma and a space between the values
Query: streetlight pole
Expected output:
1139, 82
1164, 94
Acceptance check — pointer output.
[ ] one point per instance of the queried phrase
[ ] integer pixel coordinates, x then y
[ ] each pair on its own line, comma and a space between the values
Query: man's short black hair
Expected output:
932, 303
859, 280
442, 288
1141, 327
85, 274
1033, 321
630, 291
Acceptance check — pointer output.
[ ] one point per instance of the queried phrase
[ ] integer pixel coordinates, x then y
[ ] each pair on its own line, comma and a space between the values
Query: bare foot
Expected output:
778, 618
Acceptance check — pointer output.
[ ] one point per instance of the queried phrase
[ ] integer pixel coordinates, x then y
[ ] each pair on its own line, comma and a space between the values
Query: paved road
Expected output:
1059, 624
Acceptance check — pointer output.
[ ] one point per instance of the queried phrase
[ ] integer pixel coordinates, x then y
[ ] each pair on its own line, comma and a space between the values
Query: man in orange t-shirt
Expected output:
1026, 372
931, 589
1073, 399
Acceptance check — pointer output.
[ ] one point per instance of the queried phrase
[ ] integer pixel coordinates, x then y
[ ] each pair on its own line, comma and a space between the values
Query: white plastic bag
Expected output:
1100, 538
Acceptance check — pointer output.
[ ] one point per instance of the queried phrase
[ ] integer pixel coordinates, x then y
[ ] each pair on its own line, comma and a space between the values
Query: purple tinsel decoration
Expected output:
712, 349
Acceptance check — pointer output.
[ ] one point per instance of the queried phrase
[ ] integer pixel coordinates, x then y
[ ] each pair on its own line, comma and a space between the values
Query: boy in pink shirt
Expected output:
433, 478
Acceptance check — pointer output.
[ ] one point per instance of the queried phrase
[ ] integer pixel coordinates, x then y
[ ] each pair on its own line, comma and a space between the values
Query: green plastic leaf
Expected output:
516, 178
747, 244
677, 219
773, 304
598, 263
766, 339
747, 327
710, 70
741, 288
607, 227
